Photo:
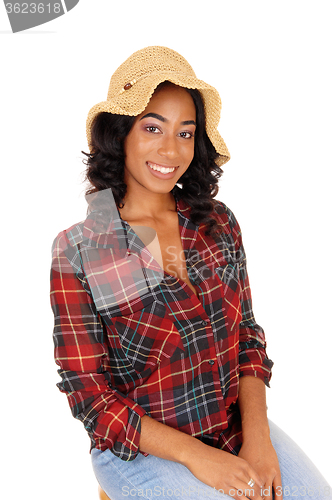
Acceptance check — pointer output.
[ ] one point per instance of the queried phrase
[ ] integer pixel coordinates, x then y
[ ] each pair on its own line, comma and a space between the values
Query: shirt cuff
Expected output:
254, 362
119, 428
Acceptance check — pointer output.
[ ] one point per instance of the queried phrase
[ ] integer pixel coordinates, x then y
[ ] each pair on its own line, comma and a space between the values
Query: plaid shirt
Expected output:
130, 341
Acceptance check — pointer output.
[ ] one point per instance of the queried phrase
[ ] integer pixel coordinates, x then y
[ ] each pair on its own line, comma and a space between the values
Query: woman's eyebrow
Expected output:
163, 119
154, 115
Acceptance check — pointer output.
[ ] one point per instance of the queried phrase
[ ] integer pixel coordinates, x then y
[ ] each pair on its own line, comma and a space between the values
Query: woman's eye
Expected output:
152, 129
186, 135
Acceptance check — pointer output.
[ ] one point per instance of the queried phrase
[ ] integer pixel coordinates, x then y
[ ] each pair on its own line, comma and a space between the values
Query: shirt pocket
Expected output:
146, 336
231, 291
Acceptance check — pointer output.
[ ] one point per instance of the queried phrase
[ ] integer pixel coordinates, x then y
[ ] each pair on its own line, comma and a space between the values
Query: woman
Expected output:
159, 352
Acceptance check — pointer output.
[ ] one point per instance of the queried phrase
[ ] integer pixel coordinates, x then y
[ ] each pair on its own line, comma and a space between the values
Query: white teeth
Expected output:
163, 170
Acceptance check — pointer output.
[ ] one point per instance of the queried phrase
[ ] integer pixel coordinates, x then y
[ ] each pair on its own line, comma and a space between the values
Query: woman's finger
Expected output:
245, 491
277, 487
266, 491
254, 482
250, 477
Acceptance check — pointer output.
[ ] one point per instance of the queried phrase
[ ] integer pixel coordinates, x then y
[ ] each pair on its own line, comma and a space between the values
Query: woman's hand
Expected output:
260, 454
216, 468
224, 472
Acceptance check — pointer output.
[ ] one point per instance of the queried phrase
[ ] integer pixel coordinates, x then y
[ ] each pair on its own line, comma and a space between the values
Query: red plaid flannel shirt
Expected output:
130, 343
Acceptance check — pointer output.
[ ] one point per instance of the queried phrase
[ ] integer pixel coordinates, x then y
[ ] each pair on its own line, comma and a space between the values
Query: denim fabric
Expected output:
152, 477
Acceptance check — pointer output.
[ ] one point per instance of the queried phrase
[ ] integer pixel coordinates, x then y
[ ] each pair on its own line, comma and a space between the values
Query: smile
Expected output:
159, 168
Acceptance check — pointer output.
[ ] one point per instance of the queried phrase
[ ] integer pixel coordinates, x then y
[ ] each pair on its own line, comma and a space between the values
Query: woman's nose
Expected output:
168, 147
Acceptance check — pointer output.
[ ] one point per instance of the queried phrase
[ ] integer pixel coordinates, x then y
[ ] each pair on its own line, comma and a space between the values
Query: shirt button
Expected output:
204, 323
211, 362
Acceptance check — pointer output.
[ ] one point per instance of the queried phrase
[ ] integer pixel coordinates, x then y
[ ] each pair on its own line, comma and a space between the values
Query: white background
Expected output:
271, 62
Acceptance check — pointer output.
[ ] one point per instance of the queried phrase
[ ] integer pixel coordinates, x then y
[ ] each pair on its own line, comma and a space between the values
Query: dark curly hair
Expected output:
105, 164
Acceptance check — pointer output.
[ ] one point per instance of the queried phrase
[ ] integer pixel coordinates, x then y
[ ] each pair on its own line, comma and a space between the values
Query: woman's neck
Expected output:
150, 206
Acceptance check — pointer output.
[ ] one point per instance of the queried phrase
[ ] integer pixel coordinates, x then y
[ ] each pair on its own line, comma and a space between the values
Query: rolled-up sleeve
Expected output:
111, 419
253, 359
252, 356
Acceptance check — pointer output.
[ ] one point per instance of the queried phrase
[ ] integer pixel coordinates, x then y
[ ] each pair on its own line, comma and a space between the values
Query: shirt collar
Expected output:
103, 230
183, 208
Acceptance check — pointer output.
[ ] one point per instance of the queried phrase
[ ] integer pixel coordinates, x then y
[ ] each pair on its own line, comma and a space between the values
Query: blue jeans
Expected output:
152, 477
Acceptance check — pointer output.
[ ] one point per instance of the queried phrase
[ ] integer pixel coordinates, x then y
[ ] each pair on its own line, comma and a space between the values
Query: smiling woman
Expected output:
160, 146
159, 352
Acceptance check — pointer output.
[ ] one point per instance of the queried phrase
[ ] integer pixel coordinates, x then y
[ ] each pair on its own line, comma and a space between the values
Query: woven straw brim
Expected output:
133, 101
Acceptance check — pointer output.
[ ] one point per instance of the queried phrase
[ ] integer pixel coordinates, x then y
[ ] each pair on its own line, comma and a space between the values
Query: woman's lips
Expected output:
161, 171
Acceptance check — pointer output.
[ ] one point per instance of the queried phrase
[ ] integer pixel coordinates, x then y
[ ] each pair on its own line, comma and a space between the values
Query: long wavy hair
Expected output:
199, 184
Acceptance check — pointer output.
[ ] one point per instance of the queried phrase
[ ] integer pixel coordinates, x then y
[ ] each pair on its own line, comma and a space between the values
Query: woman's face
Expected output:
160, 146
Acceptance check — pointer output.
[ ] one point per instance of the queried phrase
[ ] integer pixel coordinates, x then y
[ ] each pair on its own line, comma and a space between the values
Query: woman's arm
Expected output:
257, 448
252, 404
216, 468
111, 419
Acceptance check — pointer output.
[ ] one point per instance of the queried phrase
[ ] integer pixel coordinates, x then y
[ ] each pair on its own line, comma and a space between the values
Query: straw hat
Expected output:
134, 82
